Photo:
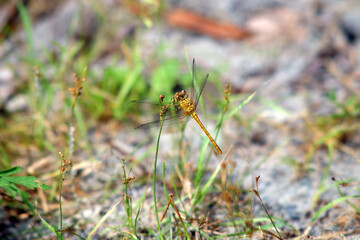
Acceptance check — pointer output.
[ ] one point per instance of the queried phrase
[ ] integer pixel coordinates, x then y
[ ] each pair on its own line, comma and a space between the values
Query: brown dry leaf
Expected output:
204, 25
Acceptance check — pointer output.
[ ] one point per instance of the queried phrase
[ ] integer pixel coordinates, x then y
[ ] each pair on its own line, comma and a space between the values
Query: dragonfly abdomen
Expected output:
197, 119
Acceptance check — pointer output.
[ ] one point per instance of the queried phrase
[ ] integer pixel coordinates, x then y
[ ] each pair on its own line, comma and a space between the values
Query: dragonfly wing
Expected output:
149, 124
144, 105
193, 91
168, 121
196, 100
195, 94
173, 115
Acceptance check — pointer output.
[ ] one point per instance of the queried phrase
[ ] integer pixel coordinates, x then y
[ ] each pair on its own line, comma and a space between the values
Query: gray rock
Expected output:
350, 24
6, 85
18, 103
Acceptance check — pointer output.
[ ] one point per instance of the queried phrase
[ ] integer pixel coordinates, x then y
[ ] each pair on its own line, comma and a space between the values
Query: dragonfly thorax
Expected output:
187, 105
181, 98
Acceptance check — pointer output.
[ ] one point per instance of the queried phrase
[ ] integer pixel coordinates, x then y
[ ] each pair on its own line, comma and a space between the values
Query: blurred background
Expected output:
300, 132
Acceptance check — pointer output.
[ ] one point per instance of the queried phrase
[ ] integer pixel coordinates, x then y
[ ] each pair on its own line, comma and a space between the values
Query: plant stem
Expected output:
154, 177
60, 187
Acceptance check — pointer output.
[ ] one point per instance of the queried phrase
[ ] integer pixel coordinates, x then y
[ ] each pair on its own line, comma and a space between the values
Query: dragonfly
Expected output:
183, 105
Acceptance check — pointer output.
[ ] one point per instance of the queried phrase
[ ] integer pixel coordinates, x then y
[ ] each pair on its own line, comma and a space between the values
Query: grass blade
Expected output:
91, 235
330, 205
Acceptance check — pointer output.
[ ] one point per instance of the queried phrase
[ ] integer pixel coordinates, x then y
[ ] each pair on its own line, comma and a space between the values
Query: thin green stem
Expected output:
338, 184
127, 199
60, 187
256, 191
154, 177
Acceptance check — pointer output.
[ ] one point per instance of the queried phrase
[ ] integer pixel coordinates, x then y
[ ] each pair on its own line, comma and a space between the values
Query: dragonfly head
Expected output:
183, 94
179, 96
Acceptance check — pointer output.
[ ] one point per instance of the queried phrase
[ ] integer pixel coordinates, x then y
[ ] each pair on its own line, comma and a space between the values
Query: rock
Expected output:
17, 103
6, 85
350, 24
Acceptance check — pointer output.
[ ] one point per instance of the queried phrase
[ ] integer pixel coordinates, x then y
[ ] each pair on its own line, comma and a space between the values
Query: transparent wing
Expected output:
175, 113
152, 111
196, 100
193, 89
195, 95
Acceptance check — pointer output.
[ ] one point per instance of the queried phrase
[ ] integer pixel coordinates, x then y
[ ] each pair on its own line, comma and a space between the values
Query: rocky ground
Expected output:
303, 50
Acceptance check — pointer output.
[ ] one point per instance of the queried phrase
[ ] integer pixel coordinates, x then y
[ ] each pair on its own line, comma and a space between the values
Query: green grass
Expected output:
207, 202
202, 183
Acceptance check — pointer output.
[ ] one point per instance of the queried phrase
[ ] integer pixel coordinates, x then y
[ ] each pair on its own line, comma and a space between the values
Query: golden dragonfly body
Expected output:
190, 109
181, 105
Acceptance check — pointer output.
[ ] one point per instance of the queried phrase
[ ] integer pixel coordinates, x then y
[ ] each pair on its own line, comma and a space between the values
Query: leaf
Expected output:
10, 190
51, 227
10, 171
9, 183
91, 235
27, 181
202, 24
45, 187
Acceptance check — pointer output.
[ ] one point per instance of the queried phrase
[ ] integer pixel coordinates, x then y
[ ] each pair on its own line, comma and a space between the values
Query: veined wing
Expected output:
152, 110
195, 94
196, 100
175, 112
